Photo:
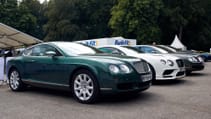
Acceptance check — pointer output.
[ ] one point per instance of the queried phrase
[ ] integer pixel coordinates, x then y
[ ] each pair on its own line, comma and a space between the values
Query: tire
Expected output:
85, 87
15, 82
205, 59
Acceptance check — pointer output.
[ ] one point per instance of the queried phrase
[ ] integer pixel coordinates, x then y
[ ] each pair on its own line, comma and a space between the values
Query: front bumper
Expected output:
169, 74
126, 83
194, 66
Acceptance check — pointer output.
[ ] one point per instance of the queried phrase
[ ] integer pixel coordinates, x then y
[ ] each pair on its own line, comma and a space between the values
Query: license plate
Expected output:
146, 77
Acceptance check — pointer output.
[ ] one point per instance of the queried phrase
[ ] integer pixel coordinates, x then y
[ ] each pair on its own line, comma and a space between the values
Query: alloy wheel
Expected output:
14, 80
83, 87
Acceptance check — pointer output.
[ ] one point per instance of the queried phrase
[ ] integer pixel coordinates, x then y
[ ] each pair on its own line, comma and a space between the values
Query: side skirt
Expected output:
46, 84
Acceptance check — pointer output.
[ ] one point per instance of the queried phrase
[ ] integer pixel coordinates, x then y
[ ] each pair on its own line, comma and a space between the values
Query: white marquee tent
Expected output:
178, 44
13, 38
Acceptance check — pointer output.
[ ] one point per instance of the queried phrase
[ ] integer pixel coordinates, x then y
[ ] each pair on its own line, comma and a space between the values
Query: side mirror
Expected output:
50, 53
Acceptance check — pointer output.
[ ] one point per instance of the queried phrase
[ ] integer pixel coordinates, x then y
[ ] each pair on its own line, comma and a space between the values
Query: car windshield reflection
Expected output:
77, 49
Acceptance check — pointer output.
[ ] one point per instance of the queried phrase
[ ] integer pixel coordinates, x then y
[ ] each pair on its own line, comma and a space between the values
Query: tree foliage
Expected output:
71, 20
144, 20
136, 19
186, 19
36, 9
23, 16
9, 12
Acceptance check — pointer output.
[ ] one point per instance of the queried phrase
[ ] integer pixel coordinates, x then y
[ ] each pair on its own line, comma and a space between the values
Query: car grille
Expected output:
181, 73
180, 63
167, 72
141, 67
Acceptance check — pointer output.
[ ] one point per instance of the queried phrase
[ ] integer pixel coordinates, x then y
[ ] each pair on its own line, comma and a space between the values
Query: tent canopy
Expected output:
13, 38
178, 44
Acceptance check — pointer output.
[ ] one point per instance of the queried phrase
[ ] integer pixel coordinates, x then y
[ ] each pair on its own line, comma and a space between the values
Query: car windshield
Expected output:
166, 49
133, 48
178, 50
76, 48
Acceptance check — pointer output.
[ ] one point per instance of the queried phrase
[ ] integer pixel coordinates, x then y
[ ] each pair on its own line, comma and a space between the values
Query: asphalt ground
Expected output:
187, 98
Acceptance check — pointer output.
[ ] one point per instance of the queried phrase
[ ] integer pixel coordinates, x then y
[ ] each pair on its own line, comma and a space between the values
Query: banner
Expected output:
2, 66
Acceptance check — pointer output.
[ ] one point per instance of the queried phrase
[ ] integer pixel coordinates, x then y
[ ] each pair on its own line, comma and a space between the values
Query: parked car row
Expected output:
162, 66
90, 72
193, 62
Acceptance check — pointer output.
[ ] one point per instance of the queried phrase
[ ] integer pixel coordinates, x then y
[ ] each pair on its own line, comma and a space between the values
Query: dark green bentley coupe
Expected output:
82, 69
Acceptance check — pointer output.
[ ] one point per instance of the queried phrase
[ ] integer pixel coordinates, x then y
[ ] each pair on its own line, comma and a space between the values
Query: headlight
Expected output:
163, 61
124, 68
170, 63
200, 59
114, 69
192, 59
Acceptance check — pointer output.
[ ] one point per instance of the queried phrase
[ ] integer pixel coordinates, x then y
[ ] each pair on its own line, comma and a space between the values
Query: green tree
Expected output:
26, 21
9, 12
137, 19
71, 20
35, 8
63, 19
96, 15
17, 16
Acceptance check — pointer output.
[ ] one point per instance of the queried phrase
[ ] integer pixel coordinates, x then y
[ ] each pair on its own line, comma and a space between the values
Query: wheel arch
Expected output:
84, 67
12, 67
153, 71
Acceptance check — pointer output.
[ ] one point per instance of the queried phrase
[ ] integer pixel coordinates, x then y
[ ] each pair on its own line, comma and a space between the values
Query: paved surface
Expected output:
188, 98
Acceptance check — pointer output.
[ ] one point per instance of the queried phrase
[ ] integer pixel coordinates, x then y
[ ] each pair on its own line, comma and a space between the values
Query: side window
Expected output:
148, 50
46, 48
141, 49
41, 50
28, 52
114, 51
37, 51
105, 50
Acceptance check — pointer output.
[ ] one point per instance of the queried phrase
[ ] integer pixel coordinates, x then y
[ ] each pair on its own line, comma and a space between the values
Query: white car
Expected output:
163, 66
193, 62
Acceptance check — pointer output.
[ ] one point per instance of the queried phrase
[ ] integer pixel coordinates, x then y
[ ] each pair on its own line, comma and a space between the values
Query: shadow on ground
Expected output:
127, 98
51, 92
104, 99
197, 74
170, 82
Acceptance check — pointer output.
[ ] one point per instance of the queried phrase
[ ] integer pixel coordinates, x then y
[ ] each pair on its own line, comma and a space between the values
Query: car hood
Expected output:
158, 56
184, 56
115, 59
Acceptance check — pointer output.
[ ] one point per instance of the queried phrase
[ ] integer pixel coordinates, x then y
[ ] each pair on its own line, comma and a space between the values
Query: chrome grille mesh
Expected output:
141, 67
180, 63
